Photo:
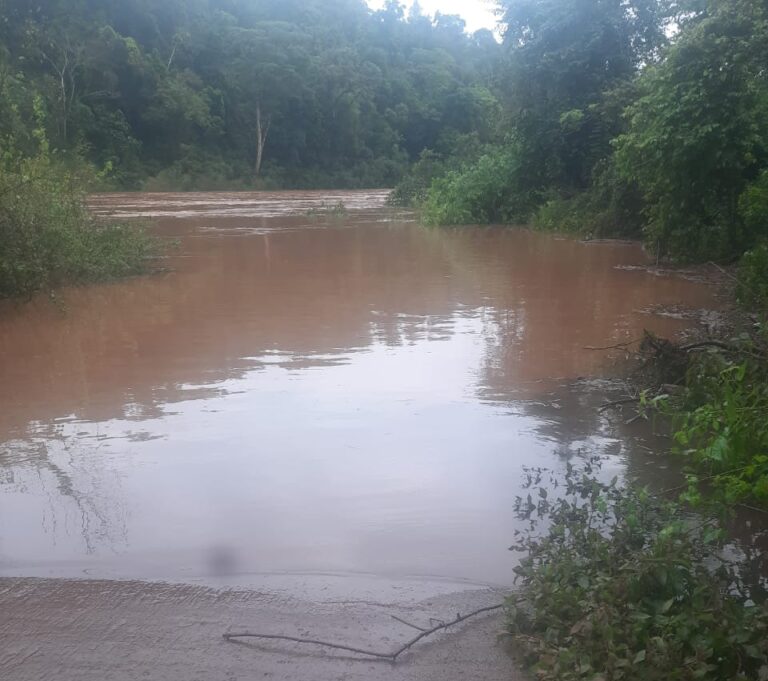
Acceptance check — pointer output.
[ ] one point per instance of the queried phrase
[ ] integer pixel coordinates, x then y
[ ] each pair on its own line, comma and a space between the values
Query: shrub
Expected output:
620, 585
721, 428
752, 288
612, 206
47, 236
490, 190
413, 188
753, 210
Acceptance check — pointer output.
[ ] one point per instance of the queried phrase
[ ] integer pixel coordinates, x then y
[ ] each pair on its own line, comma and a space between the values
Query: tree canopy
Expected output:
208, 93
633, 117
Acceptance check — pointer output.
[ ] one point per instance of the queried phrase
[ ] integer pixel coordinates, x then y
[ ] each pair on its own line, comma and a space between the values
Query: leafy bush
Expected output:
752, 288
413, 188
612, 206
491, 190
620, 585
753, 209
717, 413
47, 236
198, 171
697, 133
560, 214
722, 429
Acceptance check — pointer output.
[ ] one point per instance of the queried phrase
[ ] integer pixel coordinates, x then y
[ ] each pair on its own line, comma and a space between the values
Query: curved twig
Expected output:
362, 651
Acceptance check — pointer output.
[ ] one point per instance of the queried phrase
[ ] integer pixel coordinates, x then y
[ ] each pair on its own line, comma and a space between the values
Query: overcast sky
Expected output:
477, 13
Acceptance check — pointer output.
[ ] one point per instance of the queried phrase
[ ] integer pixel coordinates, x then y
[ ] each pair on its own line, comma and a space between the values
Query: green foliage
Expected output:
487, 191
563, 215
413, 188
47, 236
698, 131
610, 207
626, 127
199, 171
173, 93
752, 287
616, 584
567, 60
721, 428
753, 207
566, 80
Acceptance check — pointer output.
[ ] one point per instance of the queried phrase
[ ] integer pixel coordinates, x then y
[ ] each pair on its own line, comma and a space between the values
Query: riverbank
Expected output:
87, 630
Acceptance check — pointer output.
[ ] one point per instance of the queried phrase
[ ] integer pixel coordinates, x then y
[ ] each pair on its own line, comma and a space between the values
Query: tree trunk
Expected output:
65, 69
262, 130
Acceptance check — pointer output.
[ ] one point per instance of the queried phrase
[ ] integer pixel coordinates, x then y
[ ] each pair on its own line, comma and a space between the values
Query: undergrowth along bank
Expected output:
48, 238
619, 584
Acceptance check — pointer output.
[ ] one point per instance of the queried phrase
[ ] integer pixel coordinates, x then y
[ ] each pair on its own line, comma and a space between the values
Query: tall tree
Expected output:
699, 130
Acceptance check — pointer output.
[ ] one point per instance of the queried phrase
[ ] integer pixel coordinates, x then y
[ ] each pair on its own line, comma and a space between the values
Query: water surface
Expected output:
311, 392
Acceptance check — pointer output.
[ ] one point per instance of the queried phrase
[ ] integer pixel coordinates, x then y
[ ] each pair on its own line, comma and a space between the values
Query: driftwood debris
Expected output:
390, 656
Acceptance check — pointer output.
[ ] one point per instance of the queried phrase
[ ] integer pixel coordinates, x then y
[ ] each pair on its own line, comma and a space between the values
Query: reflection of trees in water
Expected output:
58, 466
303, 298
569, 417
315, 293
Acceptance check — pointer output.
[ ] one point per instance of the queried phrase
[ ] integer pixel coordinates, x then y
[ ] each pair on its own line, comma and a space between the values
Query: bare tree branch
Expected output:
392, 657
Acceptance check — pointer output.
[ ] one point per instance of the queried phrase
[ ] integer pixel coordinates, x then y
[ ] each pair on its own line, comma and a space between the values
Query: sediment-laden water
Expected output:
313, 390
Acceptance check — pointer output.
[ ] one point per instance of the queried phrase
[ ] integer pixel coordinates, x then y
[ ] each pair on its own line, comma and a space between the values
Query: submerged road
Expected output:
123, 630
306, 409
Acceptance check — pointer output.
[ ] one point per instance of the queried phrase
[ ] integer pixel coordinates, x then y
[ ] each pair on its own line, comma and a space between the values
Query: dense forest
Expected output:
635, 118
642, 118
238, 93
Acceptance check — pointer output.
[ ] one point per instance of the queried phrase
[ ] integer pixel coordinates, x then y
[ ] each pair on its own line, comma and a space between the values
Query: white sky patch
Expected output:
477, 13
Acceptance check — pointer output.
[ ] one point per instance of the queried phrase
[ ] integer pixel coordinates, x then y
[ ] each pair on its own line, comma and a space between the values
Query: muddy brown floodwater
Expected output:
310, 394
309, 423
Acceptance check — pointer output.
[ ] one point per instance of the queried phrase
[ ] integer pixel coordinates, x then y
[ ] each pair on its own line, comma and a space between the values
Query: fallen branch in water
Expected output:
708, 344
392, 657
613, 347
618, 403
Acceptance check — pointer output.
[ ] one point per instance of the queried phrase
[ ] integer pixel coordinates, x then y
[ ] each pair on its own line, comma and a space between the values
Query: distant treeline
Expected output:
621, 117
236, 93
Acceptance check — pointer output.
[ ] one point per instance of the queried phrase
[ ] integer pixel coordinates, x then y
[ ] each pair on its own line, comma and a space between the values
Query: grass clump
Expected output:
616, 584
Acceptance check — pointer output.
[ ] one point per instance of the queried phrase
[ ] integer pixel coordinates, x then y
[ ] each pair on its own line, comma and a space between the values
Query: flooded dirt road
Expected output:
124, 631
315, 419
305, 392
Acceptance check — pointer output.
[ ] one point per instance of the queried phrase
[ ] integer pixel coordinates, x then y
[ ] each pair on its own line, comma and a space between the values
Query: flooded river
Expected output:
309, 392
